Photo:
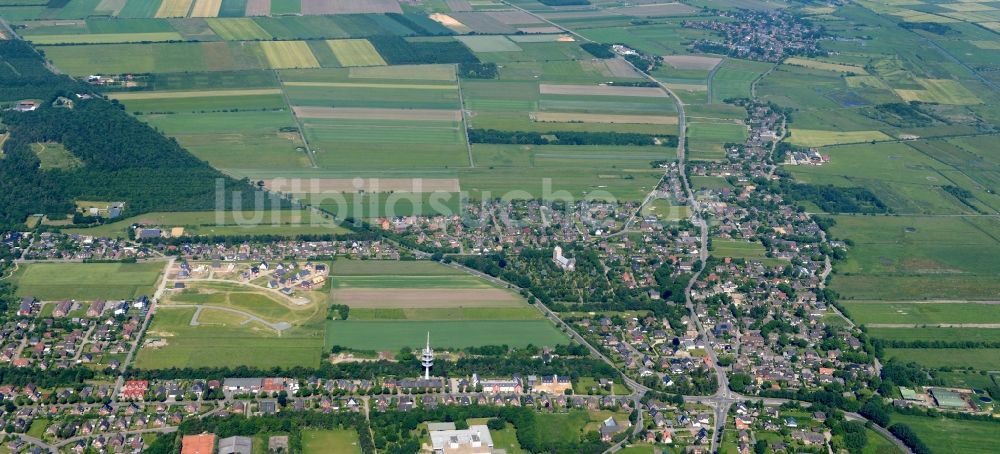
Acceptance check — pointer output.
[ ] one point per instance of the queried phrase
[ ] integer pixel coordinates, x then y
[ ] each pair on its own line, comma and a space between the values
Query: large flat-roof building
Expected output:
474, 440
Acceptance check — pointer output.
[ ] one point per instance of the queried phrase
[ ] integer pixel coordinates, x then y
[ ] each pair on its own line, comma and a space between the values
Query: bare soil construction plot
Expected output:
319, 7
353, 185
565, 117
363, 113
692, 61
258, 7
407, 298
601, 90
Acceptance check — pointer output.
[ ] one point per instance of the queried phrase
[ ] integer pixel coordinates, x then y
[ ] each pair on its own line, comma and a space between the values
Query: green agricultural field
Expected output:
944, 91
393, 280
707, 140
737, 249
201, 101
382, 204
951, 436
494, 43
917, 257
271, 222
937, 334
456, 313
238, 142
733, 78
392, 267
865, 312
87, 281
814, 138
97, 38
237, 29
976, 358
355, 52
907, 180
88, 59
224, 346
395, 335
288, 54
596, 172
345, 144
321, 441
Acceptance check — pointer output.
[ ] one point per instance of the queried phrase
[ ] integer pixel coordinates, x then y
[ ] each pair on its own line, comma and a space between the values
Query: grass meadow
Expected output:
225, 346
921, 313
445, 334
951, 436
87, 281
934, 358
395, 303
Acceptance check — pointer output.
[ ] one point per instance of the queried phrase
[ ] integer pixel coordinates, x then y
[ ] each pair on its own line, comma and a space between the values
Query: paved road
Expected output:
160, 289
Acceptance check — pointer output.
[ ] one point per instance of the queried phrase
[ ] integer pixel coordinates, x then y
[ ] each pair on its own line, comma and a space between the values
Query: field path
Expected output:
298, 122
465, 121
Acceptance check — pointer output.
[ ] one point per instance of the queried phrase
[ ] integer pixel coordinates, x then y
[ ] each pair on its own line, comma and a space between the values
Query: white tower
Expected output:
427, 358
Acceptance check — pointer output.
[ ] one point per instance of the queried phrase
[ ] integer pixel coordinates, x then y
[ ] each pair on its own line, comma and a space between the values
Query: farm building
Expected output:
949, 399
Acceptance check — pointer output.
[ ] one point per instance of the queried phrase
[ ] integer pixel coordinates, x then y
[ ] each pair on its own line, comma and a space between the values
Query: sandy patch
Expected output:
450, 22
601, 90
353, 185
409, 298
692, 61
364, 113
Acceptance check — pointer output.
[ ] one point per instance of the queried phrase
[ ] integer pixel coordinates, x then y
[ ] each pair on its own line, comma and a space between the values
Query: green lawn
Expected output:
320, 441
87, 281
394, 335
